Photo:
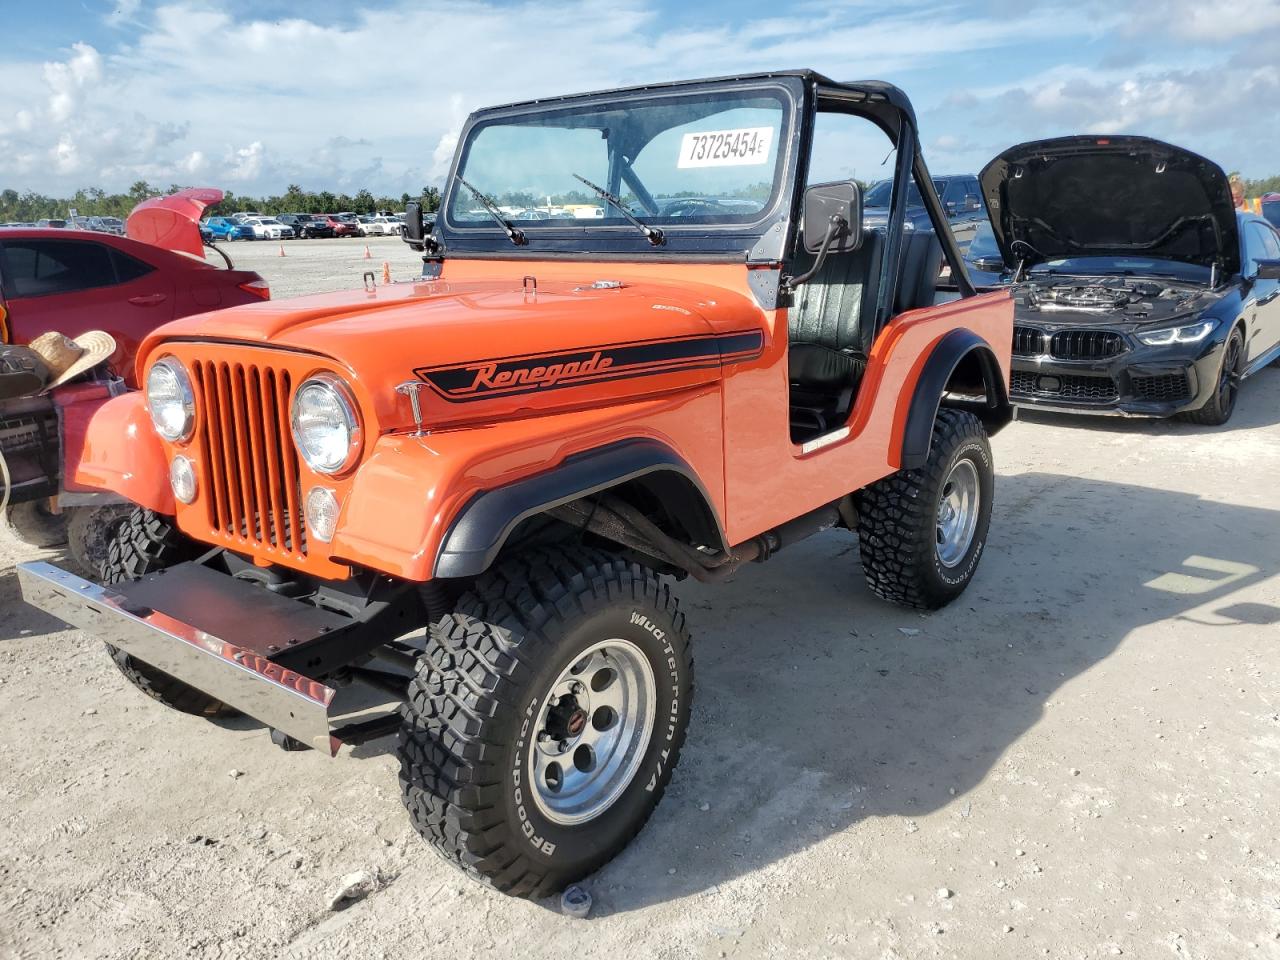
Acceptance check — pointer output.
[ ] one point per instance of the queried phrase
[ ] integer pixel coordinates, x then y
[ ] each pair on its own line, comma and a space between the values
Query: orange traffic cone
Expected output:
367, 254
282, 253
386, 272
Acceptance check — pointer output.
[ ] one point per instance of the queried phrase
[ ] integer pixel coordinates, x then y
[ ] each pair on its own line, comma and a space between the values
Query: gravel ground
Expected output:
321, 266
1080, 758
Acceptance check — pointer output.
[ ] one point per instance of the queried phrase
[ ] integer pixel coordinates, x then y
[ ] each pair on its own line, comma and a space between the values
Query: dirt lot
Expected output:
1080, 759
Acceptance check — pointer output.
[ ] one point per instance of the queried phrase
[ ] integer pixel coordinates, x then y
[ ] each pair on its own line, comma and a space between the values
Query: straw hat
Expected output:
67, 358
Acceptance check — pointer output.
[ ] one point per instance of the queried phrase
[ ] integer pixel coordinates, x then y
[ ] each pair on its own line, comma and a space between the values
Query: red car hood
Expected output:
172, 222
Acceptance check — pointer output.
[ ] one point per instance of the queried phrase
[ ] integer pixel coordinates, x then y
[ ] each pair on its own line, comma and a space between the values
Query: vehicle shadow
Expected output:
818, 706
19, 620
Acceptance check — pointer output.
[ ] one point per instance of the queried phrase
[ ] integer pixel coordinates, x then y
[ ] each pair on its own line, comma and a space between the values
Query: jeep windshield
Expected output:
706, 159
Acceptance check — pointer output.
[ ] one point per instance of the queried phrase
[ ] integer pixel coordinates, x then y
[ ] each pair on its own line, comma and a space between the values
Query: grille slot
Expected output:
1163, 388
1089, 389
1086, 344
251, 467
1027, 342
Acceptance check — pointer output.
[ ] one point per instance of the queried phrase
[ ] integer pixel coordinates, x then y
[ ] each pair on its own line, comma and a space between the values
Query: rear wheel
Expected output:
546, 717
142, 543
1218, 408
922, 532
35, 524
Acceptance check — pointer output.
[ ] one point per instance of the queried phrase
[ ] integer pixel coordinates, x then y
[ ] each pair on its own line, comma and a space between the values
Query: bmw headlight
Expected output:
170, 400
324, 422
1191, 333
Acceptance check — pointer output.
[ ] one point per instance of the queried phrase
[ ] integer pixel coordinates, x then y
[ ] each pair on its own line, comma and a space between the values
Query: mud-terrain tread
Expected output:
477, 664
145, 542
891, 512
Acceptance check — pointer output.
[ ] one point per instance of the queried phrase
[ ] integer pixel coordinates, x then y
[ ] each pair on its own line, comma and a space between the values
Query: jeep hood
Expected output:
492, 348
1100, 196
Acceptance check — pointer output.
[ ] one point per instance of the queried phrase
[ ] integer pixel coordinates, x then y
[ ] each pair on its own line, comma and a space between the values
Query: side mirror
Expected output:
413, 232
832, 221
1267, 270
989, 264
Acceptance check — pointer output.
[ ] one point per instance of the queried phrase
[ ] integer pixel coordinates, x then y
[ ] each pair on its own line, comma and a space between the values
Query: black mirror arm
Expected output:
834, 226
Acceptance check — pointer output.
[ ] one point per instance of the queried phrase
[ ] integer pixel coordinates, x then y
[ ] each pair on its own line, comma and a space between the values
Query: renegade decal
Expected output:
516, 375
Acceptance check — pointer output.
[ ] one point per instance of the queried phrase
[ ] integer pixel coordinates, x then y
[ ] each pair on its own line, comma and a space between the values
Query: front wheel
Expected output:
921, 532
546, 717
142, 543
1218, 408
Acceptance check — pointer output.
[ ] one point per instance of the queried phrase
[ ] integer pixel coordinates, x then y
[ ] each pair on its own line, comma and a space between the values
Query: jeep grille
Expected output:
254, 489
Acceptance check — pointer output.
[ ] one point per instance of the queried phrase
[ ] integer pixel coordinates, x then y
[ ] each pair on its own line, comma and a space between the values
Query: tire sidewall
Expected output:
951, 581
578, 848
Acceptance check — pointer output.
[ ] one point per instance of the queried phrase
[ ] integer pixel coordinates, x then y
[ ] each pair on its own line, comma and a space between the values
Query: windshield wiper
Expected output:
514, 234
653, 234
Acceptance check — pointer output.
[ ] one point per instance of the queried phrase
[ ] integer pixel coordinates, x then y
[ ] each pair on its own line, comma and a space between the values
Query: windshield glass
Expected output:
878, 194
706, 158
1271, 210
1126, 266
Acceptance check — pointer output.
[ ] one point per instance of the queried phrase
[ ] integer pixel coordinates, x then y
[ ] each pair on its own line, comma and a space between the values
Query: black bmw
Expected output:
1138, 288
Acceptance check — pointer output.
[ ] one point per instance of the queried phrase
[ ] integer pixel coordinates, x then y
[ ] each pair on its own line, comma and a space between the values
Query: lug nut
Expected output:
564, 746
578, 687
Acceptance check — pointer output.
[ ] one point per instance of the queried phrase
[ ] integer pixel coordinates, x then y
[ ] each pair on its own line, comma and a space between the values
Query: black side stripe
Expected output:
512, 376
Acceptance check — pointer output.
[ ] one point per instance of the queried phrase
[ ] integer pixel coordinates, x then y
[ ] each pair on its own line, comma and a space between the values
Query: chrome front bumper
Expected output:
263, 689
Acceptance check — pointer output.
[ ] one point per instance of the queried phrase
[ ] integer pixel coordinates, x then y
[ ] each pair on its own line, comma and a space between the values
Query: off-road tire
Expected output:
1218, 408
465, 739
897, 519
142, 543
35, 525
90, 531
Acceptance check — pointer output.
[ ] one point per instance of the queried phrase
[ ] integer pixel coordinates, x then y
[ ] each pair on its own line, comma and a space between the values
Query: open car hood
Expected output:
172, 222
1100, 196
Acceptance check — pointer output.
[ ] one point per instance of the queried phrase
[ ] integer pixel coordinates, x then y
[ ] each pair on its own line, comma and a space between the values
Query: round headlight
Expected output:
170, 400
324, 424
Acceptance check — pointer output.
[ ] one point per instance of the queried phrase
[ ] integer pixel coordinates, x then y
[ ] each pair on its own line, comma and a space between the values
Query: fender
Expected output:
118, 450
484, 524
946, 356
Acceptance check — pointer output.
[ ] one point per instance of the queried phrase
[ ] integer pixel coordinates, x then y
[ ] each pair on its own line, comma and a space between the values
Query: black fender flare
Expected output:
480, 529
946, 356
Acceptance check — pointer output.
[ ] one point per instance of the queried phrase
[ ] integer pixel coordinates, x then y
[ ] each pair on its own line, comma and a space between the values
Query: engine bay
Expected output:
1135, 299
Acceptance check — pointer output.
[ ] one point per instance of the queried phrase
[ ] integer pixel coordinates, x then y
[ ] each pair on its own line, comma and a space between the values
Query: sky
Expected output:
252, 95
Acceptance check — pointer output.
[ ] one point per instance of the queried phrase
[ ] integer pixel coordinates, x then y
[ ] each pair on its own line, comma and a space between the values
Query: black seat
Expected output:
830, 329
921, 263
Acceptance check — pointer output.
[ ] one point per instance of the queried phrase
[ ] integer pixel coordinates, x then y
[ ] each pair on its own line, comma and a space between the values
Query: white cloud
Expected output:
199, 93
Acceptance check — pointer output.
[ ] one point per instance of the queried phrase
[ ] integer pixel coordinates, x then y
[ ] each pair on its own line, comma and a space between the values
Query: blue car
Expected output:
222, 228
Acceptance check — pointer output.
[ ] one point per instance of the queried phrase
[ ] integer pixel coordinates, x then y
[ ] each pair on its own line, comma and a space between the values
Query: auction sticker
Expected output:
745, 147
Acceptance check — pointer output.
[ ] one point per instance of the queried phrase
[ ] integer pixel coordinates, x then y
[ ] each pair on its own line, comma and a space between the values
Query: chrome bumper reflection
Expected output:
261, 688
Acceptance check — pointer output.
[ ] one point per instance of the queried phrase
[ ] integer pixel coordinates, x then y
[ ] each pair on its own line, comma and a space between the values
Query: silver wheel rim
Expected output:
958, 512
592, 732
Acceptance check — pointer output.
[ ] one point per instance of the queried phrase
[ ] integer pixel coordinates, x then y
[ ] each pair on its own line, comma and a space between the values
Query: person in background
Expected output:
1237, 193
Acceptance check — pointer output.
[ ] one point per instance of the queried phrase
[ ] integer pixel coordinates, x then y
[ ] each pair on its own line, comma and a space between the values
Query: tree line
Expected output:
93, 202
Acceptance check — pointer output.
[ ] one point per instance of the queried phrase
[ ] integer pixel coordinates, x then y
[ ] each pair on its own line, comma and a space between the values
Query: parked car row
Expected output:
112, 225
304, 226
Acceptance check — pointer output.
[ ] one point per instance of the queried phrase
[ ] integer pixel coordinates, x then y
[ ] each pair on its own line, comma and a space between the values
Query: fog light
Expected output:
182, 477
322, 513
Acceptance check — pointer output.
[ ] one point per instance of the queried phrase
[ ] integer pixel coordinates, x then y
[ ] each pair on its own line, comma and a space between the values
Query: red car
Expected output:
73, 281
341, 228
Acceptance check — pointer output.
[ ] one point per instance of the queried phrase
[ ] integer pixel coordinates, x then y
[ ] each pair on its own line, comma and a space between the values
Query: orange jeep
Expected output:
653, 339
